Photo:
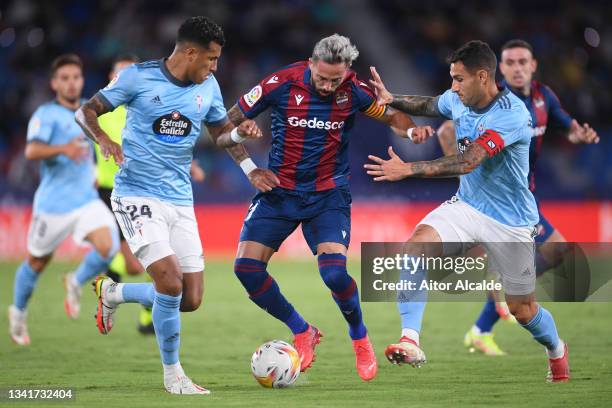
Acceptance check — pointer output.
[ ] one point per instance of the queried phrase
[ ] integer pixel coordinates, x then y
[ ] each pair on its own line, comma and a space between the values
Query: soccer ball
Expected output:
275, 364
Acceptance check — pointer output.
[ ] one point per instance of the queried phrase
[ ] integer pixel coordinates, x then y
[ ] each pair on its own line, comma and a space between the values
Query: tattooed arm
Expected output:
410, 104
261, 179
245, 129
87, 117
395, 169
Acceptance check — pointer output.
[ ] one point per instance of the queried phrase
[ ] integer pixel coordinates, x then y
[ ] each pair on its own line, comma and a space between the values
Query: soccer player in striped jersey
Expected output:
313, 105
518, 67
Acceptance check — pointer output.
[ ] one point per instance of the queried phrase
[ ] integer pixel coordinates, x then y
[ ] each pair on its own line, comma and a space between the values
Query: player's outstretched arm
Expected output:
261, 179
87, 117
395, 169
404, 126
410, 104
582, 133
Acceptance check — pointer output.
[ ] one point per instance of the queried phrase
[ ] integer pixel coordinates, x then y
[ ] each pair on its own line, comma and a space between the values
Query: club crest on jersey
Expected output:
199, 102
480, 129
341, 98
253, 96
172, 127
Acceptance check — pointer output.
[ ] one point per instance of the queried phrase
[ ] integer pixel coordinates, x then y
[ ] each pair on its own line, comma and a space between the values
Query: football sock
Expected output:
265, 293
25, 282
488, 316
411, 303
332, 268
542, 327
94, 263
143, 293
167, 324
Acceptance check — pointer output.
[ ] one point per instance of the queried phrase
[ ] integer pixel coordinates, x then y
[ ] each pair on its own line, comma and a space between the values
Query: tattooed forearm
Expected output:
450, 166
236, 116
87, 117
416, 105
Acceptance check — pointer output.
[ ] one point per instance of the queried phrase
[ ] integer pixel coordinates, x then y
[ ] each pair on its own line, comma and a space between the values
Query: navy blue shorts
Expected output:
325, 217
544, 228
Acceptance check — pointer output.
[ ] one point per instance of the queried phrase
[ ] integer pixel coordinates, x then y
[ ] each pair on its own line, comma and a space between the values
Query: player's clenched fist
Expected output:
263, 179
249, 130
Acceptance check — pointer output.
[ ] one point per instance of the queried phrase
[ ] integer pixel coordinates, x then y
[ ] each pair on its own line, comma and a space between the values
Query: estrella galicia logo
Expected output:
172, 127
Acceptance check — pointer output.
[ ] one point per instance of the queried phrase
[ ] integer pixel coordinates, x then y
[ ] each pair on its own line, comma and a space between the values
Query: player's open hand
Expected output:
393, 169
110, 149
249, 129
263, 179
383, 97
77, 149
421, 133
582, 134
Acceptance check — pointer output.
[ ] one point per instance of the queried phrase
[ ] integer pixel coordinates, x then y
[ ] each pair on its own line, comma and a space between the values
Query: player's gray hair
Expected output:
335, 49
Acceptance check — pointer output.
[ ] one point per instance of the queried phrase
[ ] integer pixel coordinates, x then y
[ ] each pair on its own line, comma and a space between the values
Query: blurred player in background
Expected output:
167, 102
518, 66
493, 204
112, 123
66, 201
313, 106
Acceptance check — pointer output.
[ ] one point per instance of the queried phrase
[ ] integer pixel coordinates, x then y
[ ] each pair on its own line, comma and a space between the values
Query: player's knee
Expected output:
252, 274
38, 264
169, 284
191, 302
523, 311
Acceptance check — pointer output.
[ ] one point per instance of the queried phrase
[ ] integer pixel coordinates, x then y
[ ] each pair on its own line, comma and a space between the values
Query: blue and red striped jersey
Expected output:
543, 105
309, 131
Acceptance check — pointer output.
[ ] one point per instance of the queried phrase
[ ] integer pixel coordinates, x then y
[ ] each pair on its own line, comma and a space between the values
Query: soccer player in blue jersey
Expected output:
168, 101
313, 105
66, 201
518, 67
493, 204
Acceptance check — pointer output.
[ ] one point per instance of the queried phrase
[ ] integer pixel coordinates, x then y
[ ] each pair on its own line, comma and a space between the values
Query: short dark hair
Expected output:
201, 31
475, 55
65, 59
517, 43
126, 57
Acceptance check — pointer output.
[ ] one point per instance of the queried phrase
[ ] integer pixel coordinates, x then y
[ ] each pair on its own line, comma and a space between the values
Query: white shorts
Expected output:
510, 250
155, 229
48, 231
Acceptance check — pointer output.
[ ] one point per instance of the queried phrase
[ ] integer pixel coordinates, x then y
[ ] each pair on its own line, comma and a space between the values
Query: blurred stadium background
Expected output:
407, 41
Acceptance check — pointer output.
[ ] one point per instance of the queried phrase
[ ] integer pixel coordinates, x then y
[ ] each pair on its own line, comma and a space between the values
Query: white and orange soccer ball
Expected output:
275, 364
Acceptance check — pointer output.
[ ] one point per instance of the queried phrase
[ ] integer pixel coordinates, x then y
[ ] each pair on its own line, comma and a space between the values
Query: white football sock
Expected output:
476, 330
411, 334
171, 371
558, 352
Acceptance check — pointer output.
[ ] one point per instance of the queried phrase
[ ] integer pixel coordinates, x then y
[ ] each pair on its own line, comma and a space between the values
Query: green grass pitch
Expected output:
123, 368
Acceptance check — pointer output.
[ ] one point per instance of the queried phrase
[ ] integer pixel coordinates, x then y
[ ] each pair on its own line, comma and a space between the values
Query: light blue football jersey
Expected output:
164, 117
498, 187
65, 185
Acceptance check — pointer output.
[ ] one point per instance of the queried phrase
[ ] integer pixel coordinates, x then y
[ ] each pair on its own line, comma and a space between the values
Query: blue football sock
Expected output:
167, 324
265, 293
542, 327
143, 293
94, 263
25, 282
411, 303
488, 317
332, 268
